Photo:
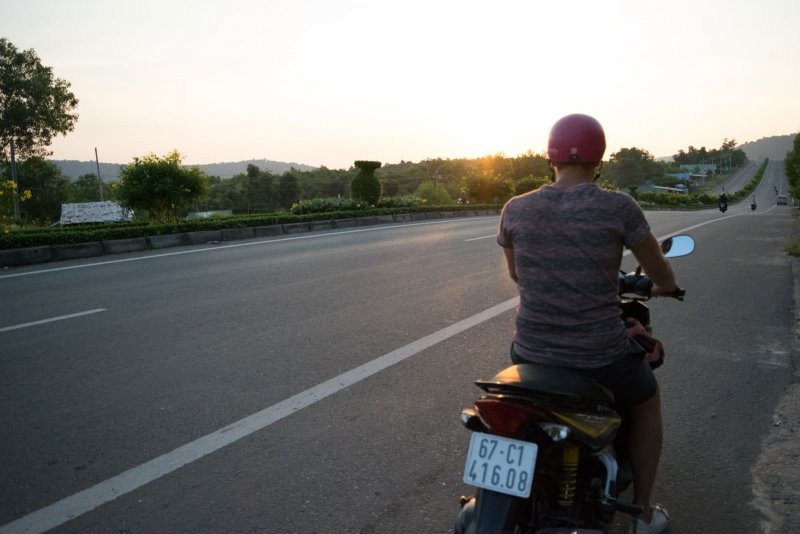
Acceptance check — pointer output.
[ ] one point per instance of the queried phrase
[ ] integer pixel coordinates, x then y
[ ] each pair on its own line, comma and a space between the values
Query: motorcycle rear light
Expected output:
471, 420
509, 417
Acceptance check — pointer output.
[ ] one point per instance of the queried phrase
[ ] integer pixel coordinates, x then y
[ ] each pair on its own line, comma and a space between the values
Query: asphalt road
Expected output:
739, 179
313, 383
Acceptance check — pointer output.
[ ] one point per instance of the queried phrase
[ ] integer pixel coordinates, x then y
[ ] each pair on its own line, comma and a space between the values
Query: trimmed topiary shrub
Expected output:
366, 186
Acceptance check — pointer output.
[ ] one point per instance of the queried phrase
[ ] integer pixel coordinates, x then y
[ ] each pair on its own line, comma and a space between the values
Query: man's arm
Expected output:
512, 266
652, 260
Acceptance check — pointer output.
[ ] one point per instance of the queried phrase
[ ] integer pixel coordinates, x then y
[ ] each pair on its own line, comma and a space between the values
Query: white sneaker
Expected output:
659, 522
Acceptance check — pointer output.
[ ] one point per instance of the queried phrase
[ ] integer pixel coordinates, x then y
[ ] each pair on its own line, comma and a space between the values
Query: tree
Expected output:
226, 194
391, 188
288, 189
34, 105
530, 164
631, 167
433, 194
261, 196
485, 187
8, 191
365, 185
792, 166
530, 183
87, 189
726, 156
45, 189
161, 186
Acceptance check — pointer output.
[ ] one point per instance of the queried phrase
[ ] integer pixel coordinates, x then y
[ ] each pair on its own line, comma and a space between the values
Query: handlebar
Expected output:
677, 294
635, 285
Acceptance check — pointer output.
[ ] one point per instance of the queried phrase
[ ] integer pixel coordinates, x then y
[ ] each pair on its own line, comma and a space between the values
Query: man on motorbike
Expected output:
563, 245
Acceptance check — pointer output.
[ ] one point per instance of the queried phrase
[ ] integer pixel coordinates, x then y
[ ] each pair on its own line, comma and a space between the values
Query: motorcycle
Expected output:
547, 450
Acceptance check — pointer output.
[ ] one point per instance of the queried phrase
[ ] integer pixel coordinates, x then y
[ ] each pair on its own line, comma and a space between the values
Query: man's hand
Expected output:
658, 291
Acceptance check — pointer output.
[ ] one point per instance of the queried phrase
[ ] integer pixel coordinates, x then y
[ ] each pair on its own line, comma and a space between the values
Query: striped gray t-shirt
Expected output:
568, 248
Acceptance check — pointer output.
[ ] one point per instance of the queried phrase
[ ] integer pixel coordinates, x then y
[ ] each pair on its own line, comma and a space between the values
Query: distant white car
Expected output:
783, 199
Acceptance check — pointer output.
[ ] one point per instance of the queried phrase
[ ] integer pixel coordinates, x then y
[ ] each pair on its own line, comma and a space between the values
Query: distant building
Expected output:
700, 168
682, 176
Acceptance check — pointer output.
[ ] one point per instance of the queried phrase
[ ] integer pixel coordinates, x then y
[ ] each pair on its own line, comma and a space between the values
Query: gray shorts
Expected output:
630, 378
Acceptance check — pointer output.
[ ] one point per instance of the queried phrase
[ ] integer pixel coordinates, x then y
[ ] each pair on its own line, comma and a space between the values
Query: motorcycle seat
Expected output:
547, 380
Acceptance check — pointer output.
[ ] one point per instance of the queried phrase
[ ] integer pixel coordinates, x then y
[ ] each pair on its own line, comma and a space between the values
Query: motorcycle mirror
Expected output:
676, 246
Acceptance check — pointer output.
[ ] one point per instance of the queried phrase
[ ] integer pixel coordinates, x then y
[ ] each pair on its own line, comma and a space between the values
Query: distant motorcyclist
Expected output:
723, 203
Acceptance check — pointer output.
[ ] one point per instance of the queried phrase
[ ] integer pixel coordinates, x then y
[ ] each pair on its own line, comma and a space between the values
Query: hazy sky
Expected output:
327, 82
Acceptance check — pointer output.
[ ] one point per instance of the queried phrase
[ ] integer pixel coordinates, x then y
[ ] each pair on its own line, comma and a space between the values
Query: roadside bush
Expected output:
433, 194
327, 205
365, 185
530, 183
403, 201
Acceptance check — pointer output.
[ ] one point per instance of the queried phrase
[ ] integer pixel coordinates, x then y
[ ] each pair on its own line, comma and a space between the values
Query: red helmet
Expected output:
576, 139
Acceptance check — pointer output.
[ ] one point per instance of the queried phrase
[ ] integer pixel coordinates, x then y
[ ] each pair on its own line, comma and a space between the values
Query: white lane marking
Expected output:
51, 320
84, 501
479, 238
248, 244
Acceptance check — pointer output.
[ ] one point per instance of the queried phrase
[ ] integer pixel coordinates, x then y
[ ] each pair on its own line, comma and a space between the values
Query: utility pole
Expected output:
99, 180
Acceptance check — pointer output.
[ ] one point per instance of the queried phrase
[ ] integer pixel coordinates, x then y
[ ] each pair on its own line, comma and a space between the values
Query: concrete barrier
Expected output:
17, 257
168, 240
77, 251
369, 221
321, 225
116, 246
233, 234
345, 223
203, 237
294, 228
268, 231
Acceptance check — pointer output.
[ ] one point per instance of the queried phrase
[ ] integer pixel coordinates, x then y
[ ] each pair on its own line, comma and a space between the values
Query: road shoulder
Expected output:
776, 473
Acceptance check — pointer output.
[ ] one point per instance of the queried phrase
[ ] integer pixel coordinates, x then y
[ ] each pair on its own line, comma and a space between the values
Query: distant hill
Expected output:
774, 147
110, 171
227, 170
75, 169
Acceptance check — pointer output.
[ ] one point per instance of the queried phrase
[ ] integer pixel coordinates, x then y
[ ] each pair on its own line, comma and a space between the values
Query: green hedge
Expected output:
88, 233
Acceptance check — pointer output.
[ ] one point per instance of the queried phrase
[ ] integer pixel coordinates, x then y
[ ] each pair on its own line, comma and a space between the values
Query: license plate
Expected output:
501, 464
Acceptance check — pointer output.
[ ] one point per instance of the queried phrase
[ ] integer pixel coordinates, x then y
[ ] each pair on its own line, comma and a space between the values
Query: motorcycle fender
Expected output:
490, 512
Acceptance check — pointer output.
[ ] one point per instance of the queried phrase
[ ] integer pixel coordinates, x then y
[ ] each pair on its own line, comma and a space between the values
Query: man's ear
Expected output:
597, 174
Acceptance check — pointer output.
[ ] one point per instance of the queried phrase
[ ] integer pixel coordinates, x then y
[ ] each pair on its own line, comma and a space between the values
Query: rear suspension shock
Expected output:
568, 481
